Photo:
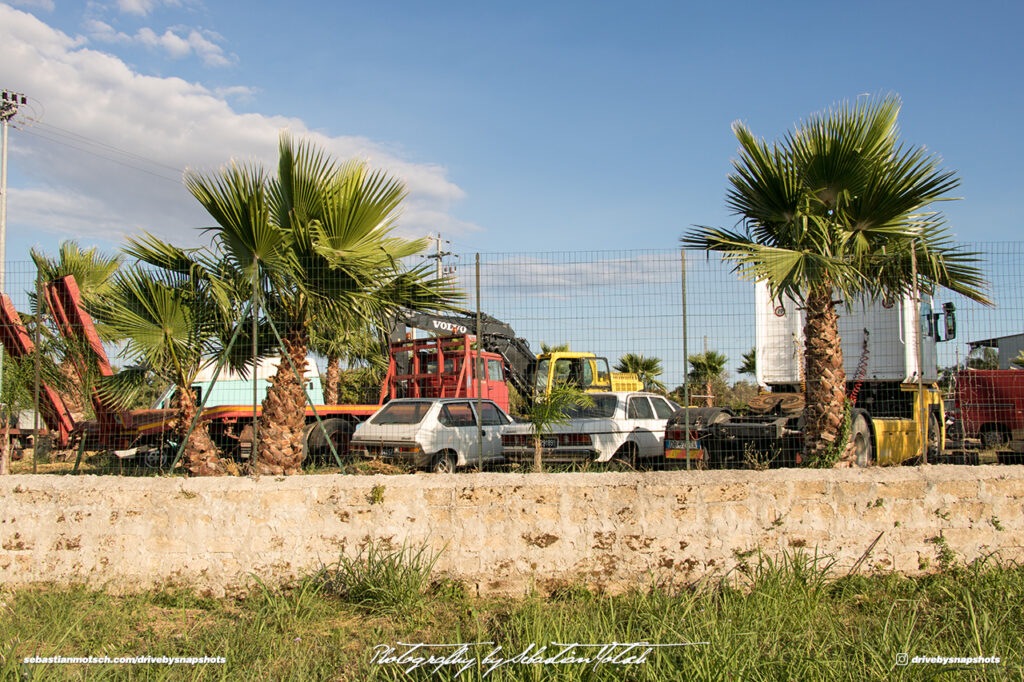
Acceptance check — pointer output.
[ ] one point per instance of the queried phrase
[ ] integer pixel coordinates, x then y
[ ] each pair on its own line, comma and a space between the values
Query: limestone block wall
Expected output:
500, 532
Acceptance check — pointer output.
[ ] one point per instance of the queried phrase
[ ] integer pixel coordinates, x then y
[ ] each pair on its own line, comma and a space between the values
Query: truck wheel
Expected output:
935, 445
314, 445
444, 463
992, 437
860, 437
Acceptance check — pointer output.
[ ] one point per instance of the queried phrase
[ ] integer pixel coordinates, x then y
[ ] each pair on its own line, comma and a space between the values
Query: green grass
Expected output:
781, 619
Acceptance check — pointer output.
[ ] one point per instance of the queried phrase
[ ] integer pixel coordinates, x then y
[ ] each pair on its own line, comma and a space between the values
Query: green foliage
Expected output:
774, 618
554, 348
647, 369
550, 409
983, 358
1018, 362
749, 365
381, 579
841, 203
707, 366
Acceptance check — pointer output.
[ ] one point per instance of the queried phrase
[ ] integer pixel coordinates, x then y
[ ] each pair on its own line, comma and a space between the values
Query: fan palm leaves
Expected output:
706, 368
317, 239
647, 369
839, 207
169, 327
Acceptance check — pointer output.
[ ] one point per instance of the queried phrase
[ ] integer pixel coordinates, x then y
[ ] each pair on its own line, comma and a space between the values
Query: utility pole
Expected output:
438, 253
9, 103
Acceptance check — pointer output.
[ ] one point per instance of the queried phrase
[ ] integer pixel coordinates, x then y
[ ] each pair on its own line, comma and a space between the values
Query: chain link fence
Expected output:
641, 334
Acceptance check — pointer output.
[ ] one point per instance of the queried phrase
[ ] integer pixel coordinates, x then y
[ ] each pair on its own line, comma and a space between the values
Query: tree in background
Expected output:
835, 210
749, 365
1018, 362
556, 348
983, 358
707, 368
647, 370
93, 272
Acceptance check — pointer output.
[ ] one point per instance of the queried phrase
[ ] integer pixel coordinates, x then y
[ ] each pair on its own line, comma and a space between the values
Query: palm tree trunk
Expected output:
538, 463
332, 386
200, 451
709, 399
825, 378
284, 411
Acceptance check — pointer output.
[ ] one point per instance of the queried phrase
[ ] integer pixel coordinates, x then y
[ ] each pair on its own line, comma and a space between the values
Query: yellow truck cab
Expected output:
589, 372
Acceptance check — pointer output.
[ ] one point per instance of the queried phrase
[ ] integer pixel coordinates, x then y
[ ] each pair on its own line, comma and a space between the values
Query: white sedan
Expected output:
621, 425
439, 434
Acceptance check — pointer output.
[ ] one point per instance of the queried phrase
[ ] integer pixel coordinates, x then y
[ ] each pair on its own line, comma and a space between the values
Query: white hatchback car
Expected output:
439, 434
620, 425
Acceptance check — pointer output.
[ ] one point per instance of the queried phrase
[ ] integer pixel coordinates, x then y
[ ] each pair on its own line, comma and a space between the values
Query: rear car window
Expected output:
401, 413
457, 414
639, 408
491, 416
663, 408
603, 407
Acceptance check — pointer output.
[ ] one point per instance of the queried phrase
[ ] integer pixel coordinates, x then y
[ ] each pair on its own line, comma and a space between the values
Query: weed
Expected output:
995, 523
946, 556
877, 503
942, 514
380, 579
377, 494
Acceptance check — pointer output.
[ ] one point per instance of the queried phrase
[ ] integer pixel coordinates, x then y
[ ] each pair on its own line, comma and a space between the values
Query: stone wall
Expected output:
500, 532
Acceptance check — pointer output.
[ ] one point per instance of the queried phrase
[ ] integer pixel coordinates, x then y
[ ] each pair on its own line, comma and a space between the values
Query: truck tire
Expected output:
935, 444
444, 463
314, 445
993, 436
860, 438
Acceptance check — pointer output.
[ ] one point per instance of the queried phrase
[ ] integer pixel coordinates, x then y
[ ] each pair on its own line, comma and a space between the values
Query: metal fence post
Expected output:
479, 368
922, 407
686, 363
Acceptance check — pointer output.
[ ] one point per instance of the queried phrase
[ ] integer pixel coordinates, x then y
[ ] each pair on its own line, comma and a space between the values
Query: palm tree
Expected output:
647, 370
707, 368
838, 208
554, 348
93, 272
347, 339
749, 365
316, 238
549, 410
170, 328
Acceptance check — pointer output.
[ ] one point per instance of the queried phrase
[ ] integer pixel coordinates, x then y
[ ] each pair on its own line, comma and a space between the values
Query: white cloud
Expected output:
177, 42
45, 5
137, 7
148, 129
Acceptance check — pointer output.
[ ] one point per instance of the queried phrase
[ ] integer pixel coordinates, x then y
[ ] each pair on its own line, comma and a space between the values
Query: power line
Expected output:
62, 132
36, 133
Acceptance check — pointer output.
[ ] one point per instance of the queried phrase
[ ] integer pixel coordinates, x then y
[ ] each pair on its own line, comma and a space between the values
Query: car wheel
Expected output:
860, 437
625, 458
444, 463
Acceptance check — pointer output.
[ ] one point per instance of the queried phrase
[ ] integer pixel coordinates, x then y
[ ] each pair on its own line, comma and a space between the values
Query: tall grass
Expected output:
784, 618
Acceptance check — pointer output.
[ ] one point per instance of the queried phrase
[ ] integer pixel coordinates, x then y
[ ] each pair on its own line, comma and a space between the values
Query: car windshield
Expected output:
604, 406
402, 413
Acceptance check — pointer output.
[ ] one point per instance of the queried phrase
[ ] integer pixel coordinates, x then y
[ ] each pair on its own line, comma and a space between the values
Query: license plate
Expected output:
684, 454
549, 443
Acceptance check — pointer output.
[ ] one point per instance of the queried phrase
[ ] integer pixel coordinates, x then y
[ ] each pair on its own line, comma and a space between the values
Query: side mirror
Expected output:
950, 311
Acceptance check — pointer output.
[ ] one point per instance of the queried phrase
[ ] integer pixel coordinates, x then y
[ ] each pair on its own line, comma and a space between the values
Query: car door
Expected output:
458, 430
492, 420
645, 425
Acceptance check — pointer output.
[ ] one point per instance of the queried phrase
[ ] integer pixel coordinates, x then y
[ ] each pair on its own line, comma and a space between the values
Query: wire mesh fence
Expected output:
576, 361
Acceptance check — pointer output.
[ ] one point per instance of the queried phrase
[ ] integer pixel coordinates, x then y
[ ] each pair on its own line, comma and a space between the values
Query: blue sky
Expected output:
538, 126
518, 127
